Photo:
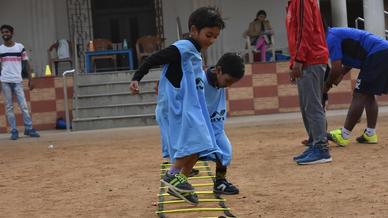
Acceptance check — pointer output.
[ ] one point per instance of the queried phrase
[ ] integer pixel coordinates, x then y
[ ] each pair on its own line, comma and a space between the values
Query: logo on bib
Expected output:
218, 116
199, 83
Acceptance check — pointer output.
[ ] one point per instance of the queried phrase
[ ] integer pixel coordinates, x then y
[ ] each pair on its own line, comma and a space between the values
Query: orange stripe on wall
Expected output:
246, 81
43, 106
265, 91
241, 105
258, 68
288, 101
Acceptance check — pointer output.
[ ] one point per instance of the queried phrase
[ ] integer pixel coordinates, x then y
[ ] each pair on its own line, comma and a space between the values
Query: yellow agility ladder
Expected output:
168, 204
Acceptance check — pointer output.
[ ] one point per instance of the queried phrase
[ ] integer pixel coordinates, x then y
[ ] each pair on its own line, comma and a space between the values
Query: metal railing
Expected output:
357, 20
67, 116
363, 20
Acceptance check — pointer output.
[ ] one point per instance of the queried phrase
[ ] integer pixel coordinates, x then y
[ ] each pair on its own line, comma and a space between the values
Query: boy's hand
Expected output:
30, 85
134, 87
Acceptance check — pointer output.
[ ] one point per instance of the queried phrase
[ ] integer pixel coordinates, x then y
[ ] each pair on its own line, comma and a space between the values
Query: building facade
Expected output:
39, 23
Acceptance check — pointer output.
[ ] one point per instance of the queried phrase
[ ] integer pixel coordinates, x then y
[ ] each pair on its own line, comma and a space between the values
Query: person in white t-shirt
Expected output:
11, 56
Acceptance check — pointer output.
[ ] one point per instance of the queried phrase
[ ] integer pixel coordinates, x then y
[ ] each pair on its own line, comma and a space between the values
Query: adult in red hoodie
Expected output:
309, 58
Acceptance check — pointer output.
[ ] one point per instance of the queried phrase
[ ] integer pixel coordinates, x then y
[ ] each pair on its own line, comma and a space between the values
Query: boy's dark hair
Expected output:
232, 64
261, 12
206, 17
8, 27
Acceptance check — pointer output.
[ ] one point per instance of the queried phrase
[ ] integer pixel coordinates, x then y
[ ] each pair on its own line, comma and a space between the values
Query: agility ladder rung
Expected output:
167, 165
195, 167
199, 200
196, 209
194, 185
201, 177
197, 192
191, 176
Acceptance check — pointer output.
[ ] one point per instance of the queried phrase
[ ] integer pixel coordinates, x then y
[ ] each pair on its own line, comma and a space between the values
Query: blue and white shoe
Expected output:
306, 152
317, 156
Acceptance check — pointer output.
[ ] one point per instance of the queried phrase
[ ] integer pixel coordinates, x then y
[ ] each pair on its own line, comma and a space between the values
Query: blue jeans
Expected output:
8, 90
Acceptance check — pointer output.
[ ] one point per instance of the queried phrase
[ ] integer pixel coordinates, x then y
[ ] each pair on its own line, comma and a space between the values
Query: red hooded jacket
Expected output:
306, 35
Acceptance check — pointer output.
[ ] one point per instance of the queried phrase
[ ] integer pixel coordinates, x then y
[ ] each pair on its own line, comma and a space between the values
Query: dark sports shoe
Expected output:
222, 186
189, 197
177, 182
366, 139
316, 156
32, 133
14, 135
304, 154
194, 172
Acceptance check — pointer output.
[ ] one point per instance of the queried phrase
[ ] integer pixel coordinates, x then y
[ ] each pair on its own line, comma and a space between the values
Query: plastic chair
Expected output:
55, 59
251, 50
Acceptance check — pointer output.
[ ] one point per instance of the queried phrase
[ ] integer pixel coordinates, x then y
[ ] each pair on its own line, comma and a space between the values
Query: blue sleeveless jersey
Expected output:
216, 104
181, 112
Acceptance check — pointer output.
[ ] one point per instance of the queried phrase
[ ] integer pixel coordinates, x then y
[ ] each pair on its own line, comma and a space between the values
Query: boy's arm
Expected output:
168, 55
165, 56
25, 59
338, 71
29, 73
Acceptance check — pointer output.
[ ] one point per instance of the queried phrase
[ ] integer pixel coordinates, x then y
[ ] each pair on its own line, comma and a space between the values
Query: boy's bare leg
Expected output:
220, 170
372, 110
188, 164
355, 110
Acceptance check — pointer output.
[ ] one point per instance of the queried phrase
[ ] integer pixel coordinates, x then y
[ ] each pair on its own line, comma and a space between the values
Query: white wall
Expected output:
237, 14
171, 10
37, 23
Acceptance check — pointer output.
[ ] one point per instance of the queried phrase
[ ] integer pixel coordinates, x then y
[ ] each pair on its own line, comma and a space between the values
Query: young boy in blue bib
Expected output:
228, 70
181, 109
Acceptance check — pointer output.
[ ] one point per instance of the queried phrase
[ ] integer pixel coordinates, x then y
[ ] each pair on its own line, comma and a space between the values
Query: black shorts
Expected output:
373, 77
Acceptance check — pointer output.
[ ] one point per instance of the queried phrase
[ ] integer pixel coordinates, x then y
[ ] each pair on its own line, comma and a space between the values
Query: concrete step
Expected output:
114, 87
99, 100
117, 110
113, 122
116, 76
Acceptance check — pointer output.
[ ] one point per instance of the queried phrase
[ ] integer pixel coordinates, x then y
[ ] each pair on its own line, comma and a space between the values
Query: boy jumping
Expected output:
181, 110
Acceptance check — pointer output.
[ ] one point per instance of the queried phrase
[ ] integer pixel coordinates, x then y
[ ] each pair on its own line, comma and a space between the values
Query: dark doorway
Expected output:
325, 8
121, 20
355, 9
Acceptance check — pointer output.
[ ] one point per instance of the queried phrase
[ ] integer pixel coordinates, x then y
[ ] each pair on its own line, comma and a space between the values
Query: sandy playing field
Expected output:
115, 173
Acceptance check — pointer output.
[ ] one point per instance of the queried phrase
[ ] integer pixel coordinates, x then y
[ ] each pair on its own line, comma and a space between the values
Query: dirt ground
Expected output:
115, 173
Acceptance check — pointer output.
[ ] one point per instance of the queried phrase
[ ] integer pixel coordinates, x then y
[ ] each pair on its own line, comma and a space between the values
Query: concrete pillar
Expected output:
374, 17
339, 13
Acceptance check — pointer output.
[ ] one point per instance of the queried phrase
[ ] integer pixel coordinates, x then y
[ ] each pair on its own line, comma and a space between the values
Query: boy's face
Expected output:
206, 36
224, 80
6, 34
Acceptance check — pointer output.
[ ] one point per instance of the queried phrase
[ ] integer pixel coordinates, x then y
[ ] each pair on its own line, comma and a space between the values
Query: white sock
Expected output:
346, 133
370, 131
